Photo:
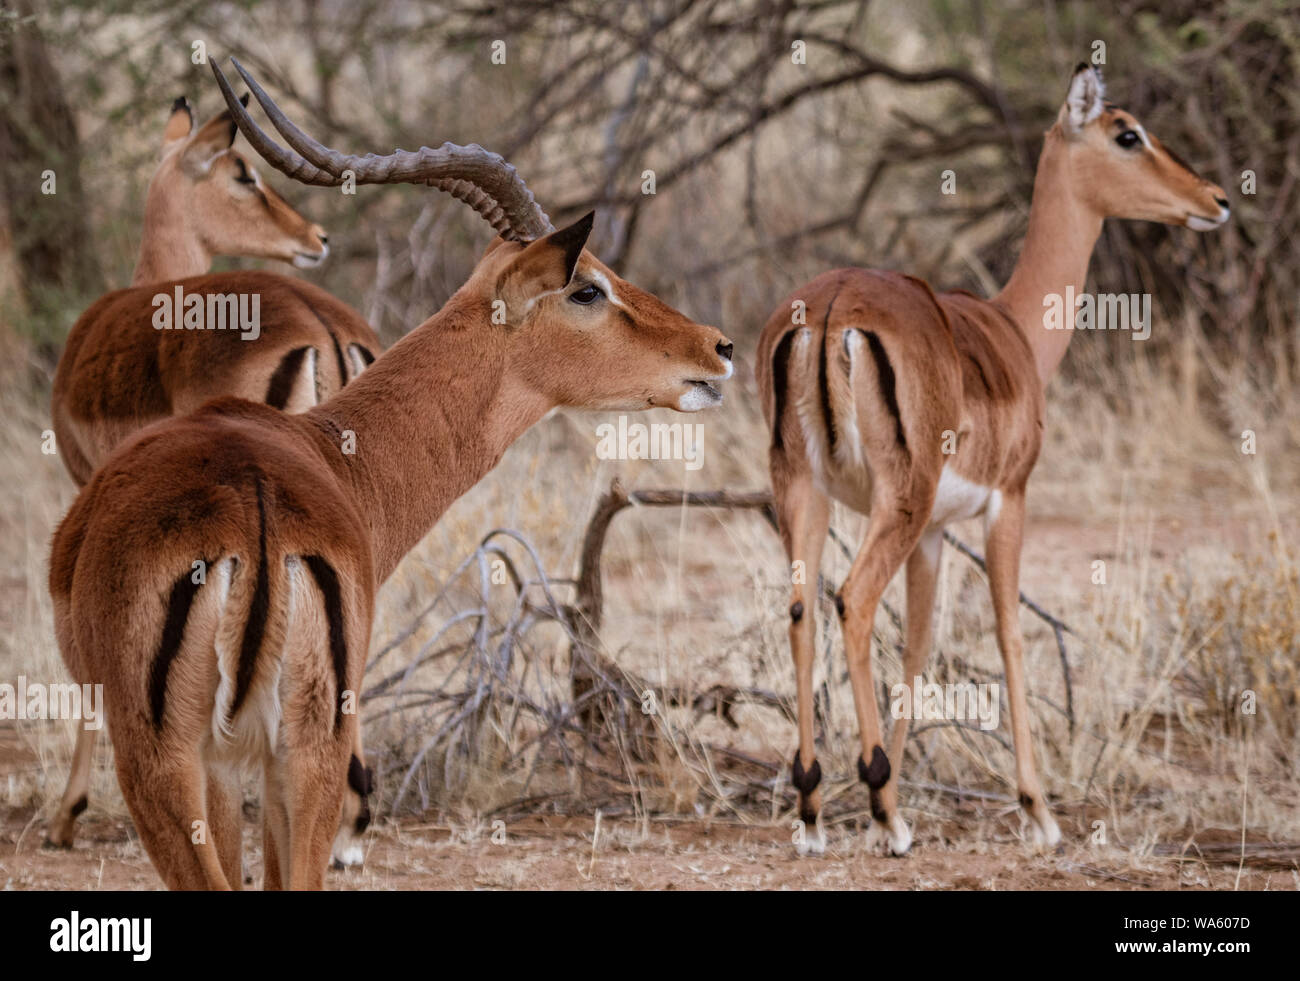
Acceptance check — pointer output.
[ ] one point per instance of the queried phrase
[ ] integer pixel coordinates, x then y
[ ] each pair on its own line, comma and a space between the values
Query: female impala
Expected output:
118, 373
863, 403
299, 519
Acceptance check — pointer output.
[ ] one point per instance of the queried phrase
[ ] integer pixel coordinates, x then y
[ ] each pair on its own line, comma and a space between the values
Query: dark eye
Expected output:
244, 177
1128, 139
587, 295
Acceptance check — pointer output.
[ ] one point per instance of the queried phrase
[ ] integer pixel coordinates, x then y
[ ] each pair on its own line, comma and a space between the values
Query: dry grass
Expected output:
1200, 604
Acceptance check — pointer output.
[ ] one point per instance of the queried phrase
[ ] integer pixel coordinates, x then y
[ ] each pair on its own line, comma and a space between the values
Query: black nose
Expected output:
323, 238
724, 350
1221, 202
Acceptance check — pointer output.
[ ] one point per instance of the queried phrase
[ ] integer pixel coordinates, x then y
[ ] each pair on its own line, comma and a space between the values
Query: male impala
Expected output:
864, 400
118, 373
298, 519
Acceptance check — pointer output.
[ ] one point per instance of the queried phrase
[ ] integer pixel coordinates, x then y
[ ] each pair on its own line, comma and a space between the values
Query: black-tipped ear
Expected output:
180, 121
573, 240
243, 99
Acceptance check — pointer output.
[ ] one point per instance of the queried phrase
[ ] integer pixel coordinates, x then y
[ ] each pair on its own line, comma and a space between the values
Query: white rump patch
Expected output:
357, 359
849, 445
806, 407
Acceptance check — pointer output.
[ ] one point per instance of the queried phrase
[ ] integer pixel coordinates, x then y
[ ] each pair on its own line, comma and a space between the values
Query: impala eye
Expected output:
1128, 139
244, 177
587, 295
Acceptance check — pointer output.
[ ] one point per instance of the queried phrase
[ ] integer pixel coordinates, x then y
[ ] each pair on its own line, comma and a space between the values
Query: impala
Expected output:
118, 372
919, 409
297, 519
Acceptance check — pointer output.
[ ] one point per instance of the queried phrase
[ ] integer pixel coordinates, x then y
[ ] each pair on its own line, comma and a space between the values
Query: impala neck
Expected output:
171, 254
1058, 244
430, 418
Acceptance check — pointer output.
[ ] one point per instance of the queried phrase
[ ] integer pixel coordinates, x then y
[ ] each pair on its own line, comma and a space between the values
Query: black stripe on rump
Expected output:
886, 372
780, 385
258, 611
281, 387
327, 581
169, 645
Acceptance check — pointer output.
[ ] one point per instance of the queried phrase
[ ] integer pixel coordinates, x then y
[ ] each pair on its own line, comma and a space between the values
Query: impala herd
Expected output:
241, 503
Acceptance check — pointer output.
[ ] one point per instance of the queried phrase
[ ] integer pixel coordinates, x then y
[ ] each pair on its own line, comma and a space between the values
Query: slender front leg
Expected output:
348, 849
804, 515
1005, 536
63, 828
891, 536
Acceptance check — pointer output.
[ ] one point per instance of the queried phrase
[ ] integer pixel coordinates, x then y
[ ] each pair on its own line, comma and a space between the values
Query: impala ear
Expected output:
179, 123
1085, 100
214, 138
544, 266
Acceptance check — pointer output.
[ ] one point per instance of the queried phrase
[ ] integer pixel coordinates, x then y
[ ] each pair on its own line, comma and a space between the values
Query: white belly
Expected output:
958, 498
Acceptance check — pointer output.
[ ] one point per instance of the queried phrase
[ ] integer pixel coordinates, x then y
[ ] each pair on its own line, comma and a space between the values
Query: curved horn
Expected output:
482, 179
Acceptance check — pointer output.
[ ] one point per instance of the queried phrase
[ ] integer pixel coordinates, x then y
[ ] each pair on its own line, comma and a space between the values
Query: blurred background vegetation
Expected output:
767, 171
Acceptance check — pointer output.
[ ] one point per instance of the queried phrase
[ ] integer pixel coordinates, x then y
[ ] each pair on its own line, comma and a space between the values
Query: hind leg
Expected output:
892, 534
317, 784
164, 792
804, 515
922, 577
275, 828
225, 799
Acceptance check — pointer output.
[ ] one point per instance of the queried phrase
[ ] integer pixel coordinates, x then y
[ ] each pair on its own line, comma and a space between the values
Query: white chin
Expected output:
1198, 224
698, 397
302, 261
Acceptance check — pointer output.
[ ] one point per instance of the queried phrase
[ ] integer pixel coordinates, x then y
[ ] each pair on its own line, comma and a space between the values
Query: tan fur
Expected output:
428, 420
960, 365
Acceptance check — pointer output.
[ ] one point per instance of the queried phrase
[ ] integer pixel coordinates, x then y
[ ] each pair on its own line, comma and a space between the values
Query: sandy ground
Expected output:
559, 853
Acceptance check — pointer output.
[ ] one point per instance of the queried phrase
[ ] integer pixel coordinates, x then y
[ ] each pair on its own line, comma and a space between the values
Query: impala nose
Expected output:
724, 350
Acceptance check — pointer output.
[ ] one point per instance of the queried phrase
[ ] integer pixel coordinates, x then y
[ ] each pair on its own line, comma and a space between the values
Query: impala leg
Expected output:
804, 516
225, 799
892, 534
164, 792
348, 850
1005, 536
922, 576
63, 828
275, 828
317, 775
